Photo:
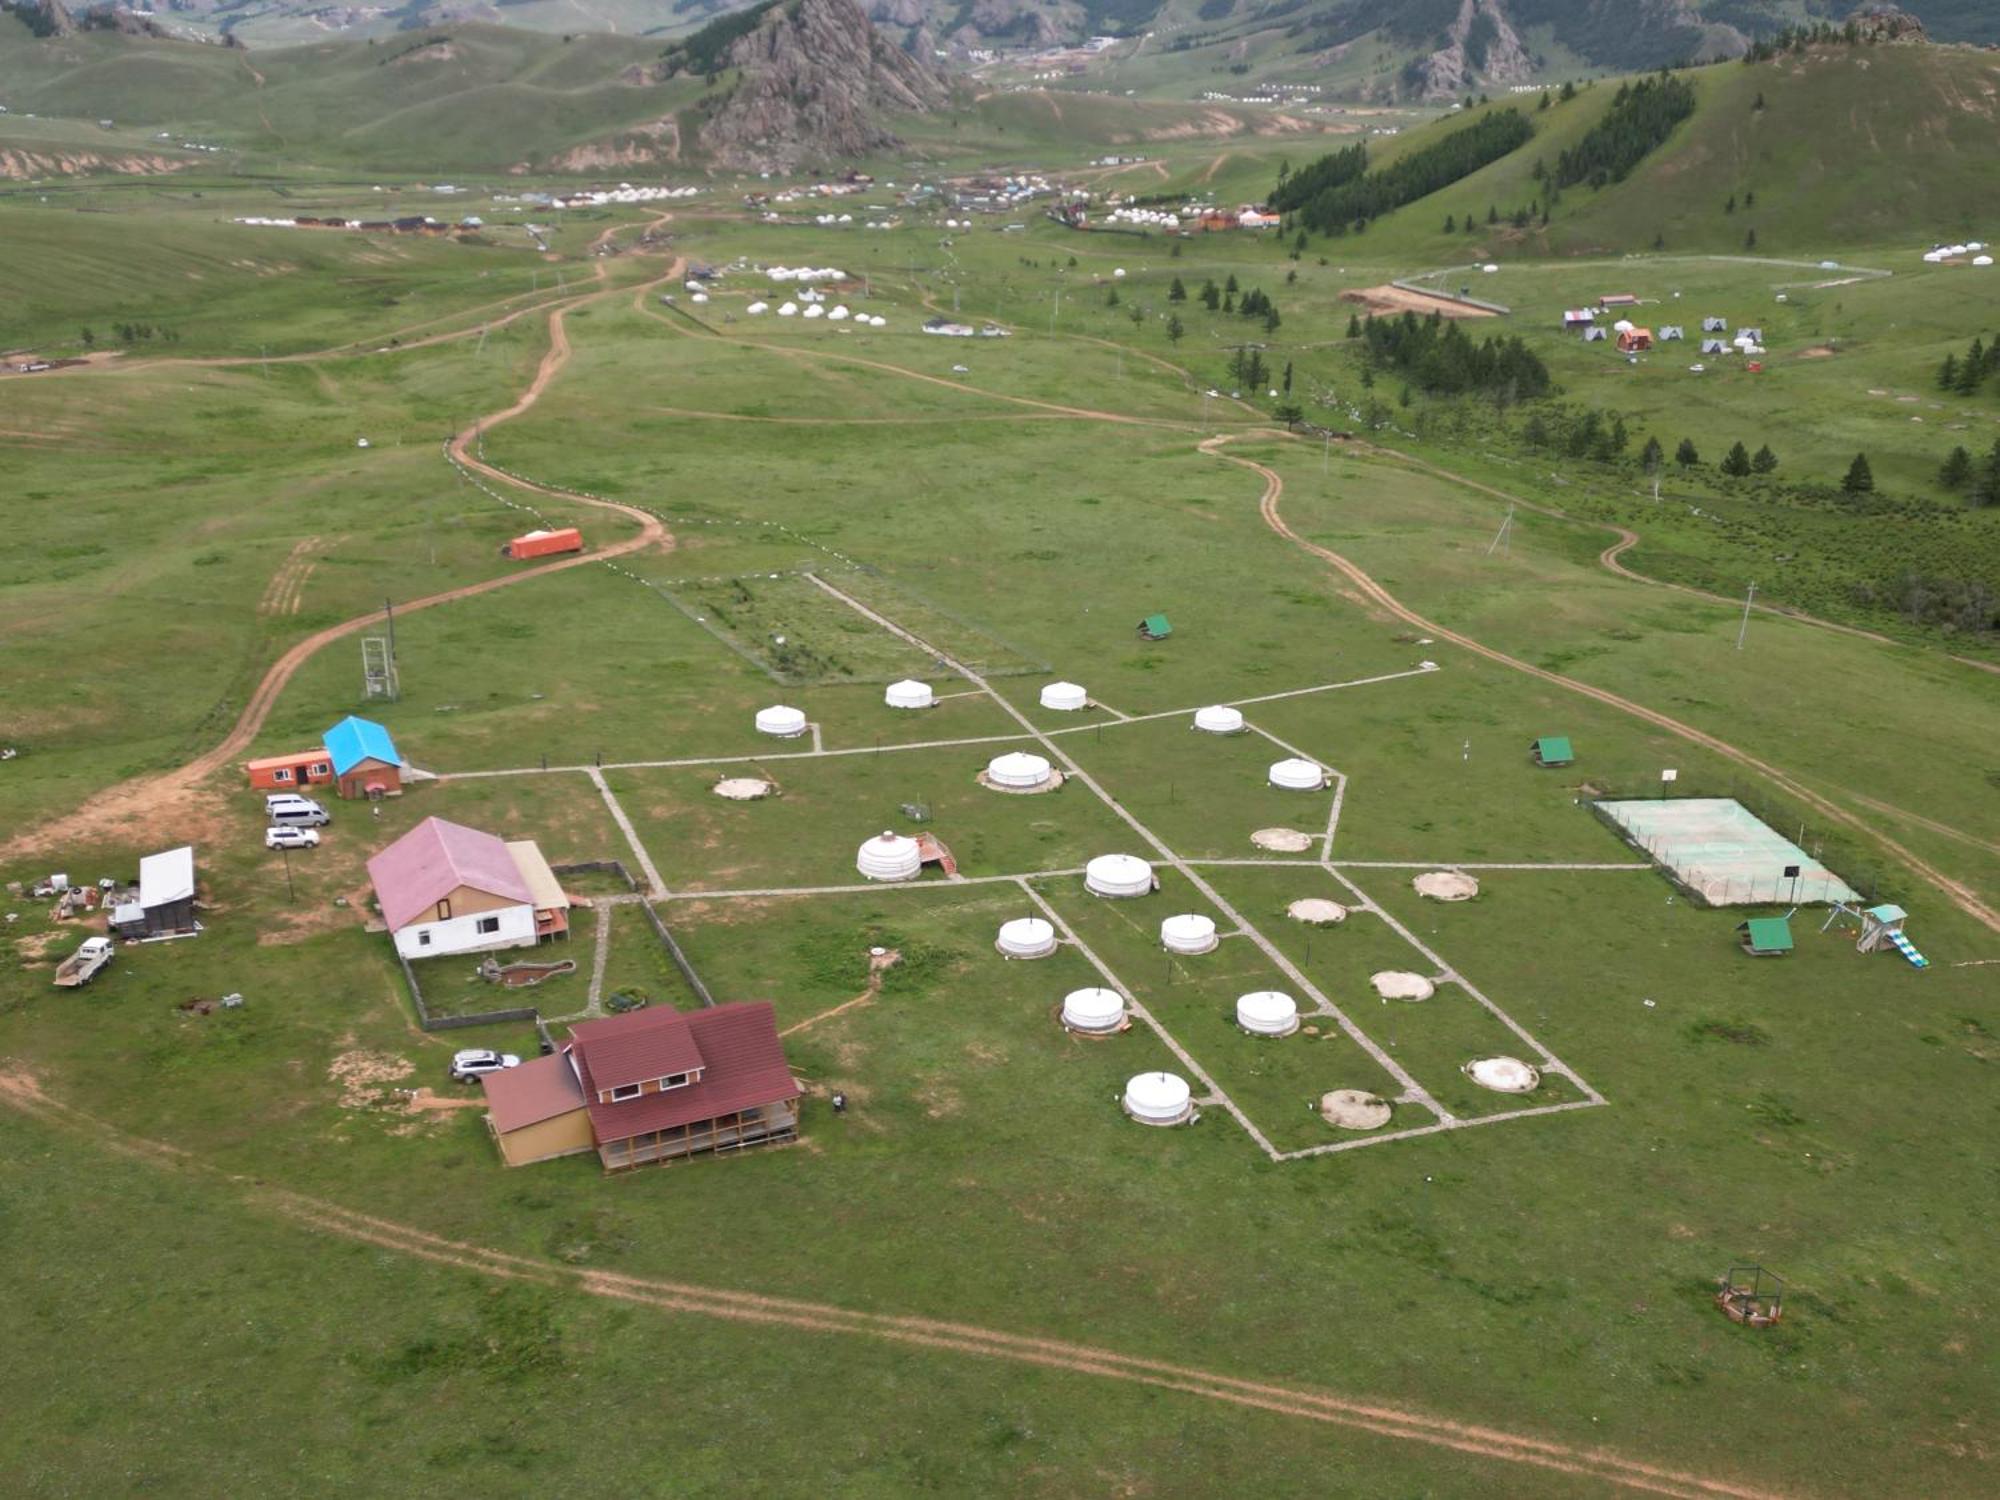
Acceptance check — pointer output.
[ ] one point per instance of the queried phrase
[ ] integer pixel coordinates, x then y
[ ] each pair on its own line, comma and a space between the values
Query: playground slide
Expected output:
1909, 950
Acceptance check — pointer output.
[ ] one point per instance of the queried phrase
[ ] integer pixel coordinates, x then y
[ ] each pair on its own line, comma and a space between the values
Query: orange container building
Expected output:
290, 773
543, 543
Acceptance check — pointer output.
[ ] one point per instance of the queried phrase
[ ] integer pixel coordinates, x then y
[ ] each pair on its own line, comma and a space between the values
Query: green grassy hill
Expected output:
461, 97
1851, 146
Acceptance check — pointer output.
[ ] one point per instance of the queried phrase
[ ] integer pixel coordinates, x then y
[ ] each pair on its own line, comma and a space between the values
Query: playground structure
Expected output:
1752, 1296
1881, 931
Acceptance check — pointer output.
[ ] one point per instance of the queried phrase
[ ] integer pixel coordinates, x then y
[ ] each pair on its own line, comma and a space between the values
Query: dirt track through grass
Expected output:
1961, 895
22, 1093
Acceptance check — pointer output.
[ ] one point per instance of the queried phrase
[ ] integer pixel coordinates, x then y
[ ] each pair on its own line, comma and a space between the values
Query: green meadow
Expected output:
186, 513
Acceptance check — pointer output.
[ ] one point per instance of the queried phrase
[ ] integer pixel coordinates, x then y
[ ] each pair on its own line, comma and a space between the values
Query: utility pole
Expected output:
1744, 629
389, 613
1502, 538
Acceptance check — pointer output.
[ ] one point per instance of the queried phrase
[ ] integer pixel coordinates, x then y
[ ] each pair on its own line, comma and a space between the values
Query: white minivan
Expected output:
290, 810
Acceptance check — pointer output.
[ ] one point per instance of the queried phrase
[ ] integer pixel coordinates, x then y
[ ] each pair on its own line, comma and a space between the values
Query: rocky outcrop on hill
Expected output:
1888, 23
1480, 45
814, 81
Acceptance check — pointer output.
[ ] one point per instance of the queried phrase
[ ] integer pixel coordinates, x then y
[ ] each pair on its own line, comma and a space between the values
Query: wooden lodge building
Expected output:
650, 1086
356, 757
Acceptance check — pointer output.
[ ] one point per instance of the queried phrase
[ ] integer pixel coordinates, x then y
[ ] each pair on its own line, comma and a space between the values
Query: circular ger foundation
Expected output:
1354, 1109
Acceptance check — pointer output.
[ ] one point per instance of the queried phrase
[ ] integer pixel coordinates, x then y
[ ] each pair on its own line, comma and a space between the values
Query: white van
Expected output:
289, 810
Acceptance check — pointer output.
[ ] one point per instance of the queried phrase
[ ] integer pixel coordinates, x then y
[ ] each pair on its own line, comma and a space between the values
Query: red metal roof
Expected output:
435, 858
742, 1060
540, 1089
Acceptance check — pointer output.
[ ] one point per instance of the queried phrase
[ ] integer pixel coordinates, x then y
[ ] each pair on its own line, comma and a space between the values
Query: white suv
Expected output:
281, 837
476, 1062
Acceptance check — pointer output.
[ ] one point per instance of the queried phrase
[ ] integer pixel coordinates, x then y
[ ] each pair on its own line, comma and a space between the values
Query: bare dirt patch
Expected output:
1283, 840
743, 788
1354, 1109
365, 1078
1316, 910
1446, 885
1400, 984
425, 1099
1818, 351
1390, 300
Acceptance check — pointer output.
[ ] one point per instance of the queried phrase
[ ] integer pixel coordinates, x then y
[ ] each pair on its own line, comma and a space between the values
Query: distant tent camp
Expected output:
1714, 346
1155, 628
1715, 325
1552, 750
1596, 335
1671, 331
1765, 937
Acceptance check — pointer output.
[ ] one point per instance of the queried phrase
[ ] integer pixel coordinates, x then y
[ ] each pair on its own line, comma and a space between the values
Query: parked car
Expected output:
295, 811
282, 837
477, 1062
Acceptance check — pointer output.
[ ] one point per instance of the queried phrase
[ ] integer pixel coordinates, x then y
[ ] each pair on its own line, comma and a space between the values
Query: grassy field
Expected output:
1549, 1275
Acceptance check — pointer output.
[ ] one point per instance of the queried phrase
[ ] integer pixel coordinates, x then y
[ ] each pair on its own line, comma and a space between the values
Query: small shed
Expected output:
165, 904
543, 543
1635, 340
1552, 750
1765, 937
1577, 317
365, 760
1715, 325
1155, 628
1618, 299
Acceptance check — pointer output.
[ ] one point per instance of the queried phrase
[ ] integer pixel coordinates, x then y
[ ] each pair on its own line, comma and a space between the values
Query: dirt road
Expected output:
21, 1092
1960, 894
165, 798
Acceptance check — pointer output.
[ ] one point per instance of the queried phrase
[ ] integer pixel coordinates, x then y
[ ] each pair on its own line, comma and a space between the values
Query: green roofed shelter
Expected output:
1553, 750
1766, 937
1155, 628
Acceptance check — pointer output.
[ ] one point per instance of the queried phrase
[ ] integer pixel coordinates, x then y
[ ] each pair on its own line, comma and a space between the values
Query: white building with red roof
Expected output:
649, 1086
445, 888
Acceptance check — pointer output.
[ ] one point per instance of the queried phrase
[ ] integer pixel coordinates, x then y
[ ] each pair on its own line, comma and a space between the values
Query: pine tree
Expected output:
1546, 101
1492, 214
1536, 433
1763, 461
1730, 206
1451, 224
1177, 292
1271, 318
1750, 240
1111, 297
1288, 377
1971, 370
1749, 198
1229, 300
1175, 328
1957, 471
1568, 92
1860, 478
1354, 325
1652, 455
1948, 373
1618, 439
1211, 296
1230, 285
1736, 462
1759, 105
1687, 455
1986, 487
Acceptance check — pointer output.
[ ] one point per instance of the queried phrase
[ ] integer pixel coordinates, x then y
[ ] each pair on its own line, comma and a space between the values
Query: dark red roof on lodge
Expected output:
540, 1089
735, 1046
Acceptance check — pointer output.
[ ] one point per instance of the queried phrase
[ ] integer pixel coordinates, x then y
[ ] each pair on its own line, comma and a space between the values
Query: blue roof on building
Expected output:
353, 740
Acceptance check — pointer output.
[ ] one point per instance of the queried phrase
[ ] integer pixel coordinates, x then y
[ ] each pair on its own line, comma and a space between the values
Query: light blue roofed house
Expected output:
365, 760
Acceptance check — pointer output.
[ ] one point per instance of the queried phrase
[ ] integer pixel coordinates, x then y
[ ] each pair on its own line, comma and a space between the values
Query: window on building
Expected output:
283, 773
423, 940
444, 911
322, 769
489, 924
674, 1081
627, 1091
